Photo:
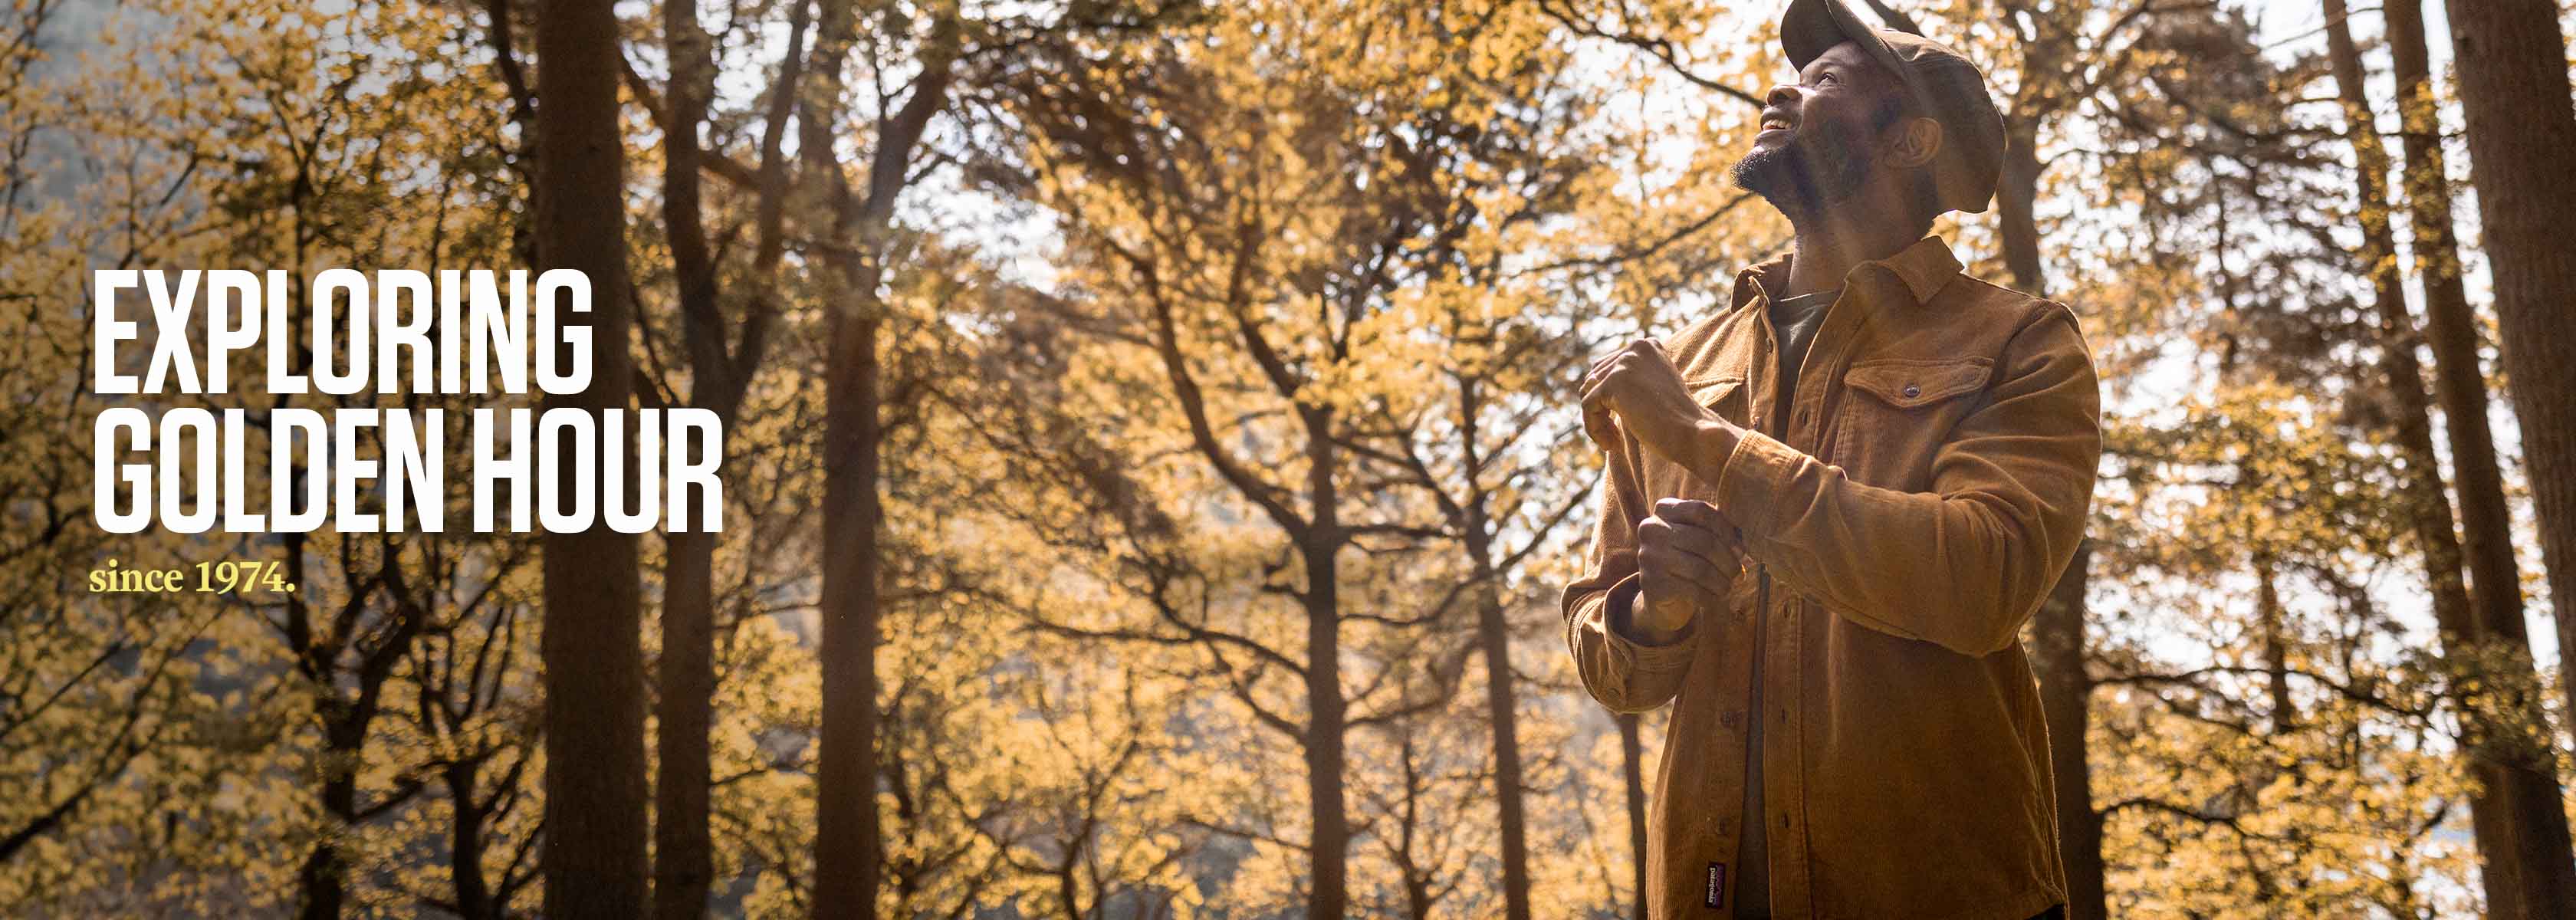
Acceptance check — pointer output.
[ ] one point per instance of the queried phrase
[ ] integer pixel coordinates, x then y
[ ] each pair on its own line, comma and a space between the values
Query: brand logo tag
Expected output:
1717, 884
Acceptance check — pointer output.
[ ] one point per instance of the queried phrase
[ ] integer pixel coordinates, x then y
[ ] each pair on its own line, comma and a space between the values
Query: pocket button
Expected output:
1912, 390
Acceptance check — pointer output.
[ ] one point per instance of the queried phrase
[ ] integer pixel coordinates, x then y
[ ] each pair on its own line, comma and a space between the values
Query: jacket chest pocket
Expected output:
1896, 412
1725, 395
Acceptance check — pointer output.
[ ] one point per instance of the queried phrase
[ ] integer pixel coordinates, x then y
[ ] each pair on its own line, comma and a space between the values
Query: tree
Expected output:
2451, 329
2521, 824
847, 839
2512, 62
595, 808
722, 364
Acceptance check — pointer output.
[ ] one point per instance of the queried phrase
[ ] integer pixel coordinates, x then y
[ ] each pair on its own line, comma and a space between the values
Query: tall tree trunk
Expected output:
847, 840
2065, 704
2460, 383
1632, 775
683, 858
684, 851
2512, 65
593, 855
683, 861
1327, 719
2495, 576
2451, 326
1493, 632
2516, 815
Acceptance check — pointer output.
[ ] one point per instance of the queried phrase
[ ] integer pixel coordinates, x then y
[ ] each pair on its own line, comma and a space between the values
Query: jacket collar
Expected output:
1919, 270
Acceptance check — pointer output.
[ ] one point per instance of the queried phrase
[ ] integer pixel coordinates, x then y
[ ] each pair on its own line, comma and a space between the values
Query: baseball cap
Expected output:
1947, 88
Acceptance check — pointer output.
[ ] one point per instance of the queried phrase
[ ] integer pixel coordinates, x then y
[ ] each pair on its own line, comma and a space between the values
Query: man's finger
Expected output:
1593, 378
1652, 532
1723, 540
1719, 551
1601, 362
1696, 571
1603, 427
1694, 512
1697, 541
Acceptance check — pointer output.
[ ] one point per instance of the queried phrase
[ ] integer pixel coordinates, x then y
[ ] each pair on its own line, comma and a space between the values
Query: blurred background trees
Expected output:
1151, 470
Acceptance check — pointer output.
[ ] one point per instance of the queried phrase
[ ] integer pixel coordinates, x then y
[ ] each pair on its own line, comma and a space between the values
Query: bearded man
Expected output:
1831, 506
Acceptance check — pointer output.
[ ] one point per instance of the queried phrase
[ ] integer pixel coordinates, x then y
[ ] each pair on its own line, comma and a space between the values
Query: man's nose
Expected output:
1782, 95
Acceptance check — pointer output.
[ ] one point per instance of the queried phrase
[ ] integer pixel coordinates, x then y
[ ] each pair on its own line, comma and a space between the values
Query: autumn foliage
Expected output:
1152, 460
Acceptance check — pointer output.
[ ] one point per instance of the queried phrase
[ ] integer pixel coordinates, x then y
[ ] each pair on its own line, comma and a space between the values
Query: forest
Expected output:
1152, 457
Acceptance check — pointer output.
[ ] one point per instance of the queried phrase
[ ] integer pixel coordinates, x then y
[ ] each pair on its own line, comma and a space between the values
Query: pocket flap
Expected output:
1711, 392
1906, 383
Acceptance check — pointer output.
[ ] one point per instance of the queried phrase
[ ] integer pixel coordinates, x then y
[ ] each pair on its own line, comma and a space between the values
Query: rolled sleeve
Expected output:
1623, 670
1619, 668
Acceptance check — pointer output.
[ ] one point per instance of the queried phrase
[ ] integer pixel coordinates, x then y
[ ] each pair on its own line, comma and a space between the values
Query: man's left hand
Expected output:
1642, 387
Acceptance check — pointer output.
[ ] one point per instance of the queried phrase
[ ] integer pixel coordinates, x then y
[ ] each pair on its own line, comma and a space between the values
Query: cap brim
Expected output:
1811, 27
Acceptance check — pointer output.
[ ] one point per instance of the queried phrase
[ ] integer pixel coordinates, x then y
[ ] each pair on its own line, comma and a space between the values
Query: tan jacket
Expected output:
1939, 457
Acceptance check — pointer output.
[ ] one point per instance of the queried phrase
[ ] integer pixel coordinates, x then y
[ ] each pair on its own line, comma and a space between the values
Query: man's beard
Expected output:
1804, 176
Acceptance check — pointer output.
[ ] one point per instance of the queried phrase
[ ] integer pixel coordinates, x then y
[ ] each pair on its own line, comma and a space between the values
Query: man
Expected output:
1830, 508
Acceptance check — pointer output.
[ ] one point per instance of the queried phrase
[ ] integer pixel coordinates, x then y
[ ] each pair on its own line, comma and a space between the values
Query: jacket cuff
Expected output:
1642, 655
1756, 474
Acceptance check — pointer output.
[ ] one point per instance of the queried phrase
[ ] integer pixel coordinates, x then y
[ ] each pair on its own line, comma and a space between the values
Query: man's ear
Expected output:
1914, 142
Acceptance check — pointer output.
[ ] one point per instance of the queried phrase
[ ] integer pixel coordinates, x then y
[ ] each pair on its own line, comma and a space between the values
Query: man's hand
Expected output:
1645, 392
1688, 553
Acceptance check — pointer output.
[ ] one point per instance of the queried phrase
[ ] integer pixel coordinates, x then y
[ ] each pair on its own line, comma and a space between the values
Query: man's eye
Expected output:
1823, 79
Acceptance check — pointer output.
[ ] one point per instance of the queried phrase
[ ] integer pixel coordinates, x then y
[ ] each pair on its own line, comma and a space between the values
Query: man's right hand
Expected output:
1688, 553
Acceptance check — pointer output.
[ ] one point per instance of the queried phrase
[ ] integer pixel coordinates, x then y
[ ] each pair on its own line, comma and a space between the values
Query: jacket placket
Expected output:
1787, 616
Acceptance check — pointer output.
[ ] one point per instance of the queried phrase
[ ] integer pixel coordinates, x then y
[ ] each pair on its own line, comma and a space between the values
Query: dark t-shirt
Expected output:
1796, 320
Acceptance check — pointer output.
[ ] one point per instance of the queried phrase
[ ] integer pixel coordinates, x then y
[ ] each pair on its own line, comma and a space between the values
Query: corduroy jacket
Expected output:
1930, 485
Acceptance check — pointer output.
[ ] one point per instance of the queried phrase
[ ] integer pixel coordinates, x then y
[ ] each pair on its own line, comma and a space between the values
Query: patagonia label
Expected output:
1717, 884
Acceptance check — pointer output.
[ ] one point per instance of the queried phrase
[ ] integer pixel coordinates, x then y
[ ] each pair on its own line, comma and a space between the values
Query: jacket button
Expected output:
1912, 391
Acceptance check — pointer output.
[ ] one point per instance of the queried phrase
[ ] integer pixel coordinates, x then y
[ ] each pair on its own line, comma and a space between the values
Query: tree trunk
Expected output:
683, 861
2272, 619
2495, 577
848, 841
2065, 704
847, 837
1493, 632
593, 855
474, 899
2512, 65
2529, 869
324, 875
2016, 203
1327, 712
1632, 773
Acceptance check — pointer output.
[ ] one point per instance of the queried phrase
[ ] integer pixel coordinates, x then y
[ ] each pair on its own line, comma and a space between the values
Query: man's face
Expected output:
1819, 139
